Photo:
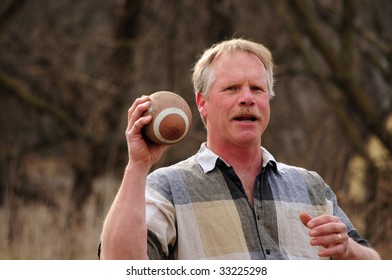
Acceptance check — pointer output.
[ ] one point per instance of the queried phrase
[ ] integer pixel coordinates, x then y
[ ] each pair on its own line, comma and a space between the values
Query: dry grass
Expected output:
32, 231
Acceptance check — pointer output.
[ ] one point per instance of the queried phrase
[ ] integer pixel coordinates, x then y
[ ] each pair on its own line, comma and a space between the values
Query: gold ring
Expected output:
340, 237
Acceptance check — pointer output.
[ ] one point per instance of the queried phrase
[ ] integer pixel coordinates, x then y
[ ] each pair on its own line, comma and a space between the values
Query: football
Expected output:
171, 118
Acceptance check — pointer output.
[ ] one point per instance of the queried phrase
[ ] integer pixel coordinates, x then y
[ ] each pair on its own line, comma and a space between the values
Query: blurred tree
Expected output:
352, 69
69, 70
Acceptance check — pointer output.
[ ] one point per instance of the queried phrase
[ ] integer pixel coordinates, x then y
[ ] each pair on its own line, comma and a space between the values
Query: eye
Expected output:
231, 88
259, 89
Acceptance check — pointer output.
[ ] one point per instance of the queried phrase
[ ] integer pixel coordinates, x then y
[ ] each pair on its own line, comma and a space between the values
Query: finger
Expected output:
324, 219
133, 108
329, 240
329, 228
135, 117
139, 124
305, 218
337, 251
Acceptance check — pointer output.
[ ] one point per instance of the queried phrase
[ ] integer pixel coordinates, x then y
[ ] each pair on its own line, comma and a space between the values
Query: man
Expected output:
231, 200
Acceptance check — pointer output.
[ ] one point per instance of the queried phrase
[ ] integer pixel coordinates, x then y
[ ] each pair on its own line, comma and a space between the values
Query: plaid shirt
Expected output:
197, 209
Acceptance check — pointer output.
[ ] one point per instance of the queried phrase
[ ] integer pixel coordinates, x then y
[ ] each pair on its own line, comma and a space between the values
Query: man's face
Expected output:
237, 110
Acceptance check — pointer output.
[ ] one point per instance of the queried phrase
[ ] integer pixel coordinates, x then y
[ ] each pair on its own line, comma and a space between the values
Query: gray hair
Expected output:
203, 76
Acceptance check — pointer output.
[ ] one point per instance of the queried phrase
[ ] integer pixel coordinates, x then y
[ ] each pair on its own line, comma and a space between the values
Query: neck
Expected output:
246, 161
240, 157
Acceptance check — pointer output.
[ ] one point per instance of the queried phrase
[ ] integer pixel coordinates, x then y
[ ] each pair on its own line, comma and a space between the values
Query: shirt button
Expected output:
268, 251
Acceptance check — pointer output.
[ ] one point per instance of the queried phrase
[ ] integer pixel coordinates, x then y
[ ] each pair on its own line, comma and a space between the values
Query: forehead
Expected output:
238, 64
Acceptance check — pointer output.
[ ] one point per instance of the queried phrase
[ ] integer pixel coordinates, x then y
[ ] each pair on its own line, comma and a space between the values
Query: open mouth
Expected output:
245, 118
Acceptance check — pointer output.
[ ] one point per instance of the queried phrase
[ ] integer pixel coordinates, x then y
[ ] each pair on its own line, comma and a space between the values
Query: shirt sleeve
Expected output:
353, 234
160, 217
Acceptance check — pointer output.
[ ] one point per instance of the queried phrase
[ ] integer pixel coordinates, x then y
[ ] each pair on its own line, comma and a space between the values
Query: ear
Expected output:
201, 104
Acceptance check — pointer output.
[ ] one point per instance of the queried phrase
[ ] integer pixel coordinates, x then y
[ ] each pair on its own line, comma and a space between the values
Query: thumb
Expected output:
305, 218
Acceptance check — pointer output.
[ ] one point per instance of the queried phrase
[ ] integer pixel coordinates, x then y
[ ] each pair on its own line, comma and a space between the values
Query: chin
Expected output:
249, 141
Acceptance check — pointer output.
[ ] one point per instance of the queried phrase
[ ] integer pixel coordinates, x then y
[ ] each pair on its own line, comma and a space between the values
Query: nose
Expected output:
246, 97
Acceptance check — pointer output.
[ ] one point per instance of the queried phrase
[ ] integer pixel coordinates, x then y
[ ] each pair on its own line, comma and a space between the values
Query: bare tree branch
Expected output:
14, 7
342, 76
14, 87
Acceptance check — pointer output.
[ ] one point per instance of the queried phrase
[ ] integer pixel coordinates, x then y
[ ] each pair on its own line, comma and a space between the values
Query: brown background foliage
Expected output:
69, 70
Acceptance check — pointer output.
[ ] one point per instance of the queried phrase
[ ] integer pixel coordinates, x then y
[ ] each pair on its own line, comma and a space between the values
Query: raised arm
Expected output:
124, 234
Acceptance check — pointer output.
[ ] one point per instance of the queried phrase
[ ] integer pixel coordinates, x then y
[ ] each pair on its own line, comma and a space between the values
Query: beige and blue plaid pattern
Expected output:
196, 209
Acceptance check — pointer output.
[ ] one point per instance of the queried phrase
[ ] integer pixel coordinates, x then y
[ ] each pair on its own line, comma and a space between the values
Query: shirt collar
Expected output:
207, 159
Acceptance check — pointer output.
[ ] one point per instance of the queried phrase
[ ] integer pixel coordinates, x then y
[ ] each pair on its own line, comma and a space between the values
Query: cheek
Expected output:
264, 106
265, 110
215, 108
